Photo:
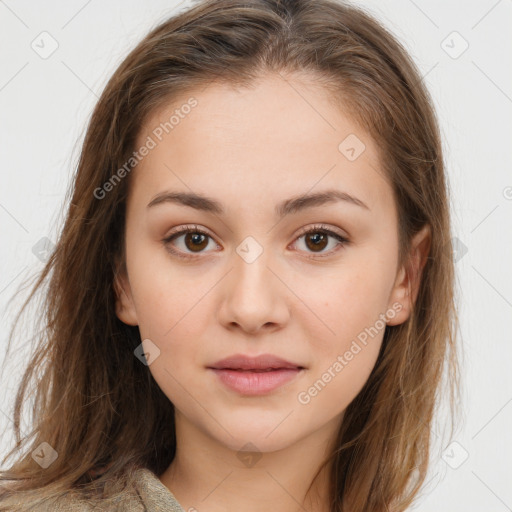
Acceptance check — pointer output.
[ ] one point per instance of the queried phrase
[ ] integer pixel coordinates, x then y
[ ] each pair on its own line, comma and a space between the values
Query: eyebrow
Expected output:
287, 207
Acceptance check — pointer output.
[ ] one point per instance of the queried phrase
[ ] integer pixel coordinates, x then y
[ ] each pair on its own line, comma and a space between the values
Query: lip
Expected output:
252, 383
255, 375
261, 362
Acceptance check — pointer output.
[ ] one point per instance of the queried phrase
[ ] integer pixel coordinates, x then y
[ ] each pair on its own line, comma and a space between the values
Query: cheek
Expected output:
165, 296
172, 311
345, 345
333, 385
343, 304
345, 332
170, 325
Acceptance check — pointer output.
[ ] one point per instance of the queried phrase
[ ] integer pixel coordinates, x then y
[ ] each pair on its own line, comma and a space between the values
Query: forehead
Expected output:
281, 133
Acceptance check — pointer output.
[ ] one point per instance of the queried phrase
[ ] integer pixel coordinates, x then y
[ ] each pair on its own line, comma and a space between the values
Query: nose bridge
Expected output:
253, 297
251, 273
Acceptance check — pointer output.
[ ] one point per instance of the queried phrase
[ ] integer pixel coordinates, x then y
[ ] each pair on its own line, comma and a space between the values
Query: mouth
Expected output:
260, 363
256, 376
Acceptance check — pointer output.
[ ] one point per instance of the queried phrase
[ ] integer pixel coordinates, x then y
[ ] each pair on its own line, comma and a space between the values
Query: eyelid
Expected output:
321, 227
187, 227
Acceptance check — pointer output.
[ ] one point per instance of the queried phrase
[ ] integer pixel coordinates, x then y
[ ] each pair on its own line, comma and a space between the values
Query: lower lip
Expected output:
256, 383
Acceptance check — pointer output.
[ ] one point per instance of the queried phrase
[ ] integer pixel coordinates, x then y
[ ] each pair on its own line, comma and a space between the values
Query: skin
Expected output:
251, 149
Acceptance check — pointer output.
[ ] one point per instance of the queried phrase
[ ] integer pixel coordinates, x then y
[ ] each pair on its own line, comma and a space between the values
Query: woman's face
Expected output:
274, 161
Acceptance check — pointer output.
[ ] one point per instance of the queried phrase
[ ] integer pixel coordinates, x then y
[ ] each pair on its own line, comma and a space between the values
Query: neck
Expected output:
207, 475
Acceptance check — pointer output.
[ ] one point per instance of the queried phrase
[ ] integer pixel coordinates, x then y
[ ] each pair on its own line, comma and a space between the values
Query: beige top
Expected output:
148, 494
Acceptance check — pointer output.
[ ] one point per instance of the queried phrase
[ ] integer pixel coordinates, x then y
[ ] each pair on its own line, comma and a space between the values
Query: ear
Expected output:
125, 307
408, 280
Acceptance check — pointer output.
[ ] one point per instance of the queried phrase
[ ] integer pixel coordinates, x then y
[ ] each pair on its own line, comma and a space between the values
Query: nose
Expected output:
254, 296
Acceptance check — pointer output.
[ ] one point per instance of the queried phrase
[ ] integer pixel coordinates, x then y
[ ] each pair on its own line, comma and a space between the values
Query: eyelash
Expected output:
318, 228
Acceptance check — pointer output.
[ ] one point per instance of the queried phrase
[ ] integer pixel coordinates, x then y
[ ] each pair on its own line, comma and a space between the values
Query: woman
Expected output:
251, 300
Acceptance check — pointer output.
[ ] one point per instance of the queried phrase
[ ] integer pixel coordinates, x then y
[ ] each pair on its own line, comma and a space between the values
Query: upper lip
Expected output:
261, 362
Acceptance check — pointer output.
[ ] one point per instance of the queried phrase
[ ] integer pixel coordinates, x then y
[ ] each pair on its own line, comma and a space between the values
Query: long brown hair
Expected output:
95, 404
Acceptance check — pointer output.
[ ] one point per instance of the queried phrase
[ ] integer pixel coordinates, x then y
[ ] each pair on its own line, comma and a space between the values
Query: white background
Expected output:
45, 105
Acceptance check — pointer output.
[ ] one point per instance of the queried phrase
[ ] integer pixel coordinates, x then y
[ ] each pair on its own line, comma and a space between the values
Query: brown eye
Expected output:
185, 242
316, 241
196, 241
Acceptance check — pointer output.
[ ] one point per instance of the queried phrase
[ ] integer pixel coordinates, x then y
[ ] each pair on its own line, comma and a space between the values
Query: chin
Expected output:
258, 445
261, 438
